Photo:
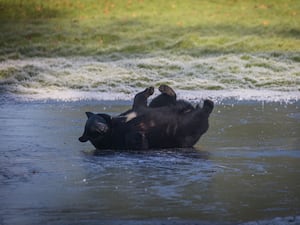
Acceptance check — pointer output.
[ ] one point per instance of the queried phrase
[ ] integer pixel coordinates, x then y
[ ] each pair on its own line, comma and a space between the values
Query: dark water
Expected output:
246, 168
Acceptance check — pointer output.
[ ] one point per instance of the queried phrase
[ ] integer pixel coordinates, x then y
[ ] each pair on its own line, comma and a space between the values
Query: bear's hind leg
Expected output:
140, 99
167, 90
166, 98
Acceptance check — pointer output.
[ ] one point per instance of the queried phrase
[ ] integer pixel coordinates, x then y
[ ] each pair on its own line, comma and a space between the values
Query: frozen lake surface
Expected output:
245, 168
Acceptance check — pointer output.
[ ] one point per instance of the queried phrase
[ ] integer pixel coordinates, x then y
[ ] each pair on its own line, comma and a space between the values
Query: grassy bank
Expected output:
194, 27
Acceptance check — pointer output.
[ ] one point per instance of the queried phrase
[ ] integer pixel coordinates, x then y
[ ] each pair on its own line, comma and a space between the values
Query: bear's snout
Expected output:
83, 139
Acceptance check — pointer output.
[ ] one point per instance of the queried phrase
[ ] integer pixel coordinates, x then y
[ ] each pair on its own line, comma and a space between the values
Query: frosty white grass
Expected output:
243, 77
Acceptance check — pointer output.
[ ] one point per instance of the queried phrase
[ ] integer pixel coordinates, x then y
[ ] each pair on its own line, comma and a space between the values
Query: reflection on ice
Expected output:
245, 168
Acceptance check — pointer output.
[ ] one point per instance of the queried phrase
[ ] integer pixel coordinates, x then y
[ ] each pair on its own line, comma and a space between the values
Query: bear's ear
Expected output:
89, 114
208, 106
106, 117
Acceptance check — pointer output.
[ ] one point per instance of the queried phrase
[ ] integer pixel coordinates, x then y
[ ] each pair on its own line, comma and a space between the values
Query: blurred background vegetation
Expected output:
103, 27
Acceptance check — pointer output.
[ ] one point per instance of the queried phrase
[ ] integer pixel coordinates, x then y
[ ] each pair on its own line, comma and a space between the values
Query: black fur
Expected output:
166, 123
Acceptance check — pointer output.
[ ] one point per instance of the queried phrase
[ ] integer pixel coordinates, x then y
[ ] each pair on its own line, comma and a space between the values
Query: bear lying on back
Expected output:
165, 123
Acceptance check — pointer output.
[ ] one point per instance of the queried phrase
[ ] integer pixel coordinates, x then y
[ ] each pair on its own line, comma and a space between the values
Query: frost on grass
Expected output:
225, 75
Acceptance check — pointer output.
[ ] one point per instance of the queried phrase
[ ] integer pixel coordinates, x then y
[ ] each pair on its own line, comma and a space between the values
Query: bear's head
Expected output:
97, 129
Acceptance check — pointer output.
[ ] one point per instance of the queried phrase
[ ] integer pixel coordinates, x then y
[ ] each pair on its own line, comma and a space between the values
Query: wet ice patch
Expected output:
261, 77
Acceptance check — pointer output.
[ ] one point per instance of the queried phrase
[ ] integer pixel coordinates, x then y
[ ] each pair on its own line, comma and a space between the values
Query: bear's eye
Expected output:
94, 135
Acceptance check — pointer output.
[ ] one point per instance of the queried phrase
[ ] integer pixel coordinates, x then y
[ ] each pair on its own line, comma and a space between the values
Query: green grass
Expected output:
193, 27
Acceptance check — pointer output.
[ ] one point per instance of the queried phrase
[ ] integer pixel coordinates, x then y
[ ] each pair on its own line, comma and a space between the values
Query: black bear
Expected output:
165, 123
